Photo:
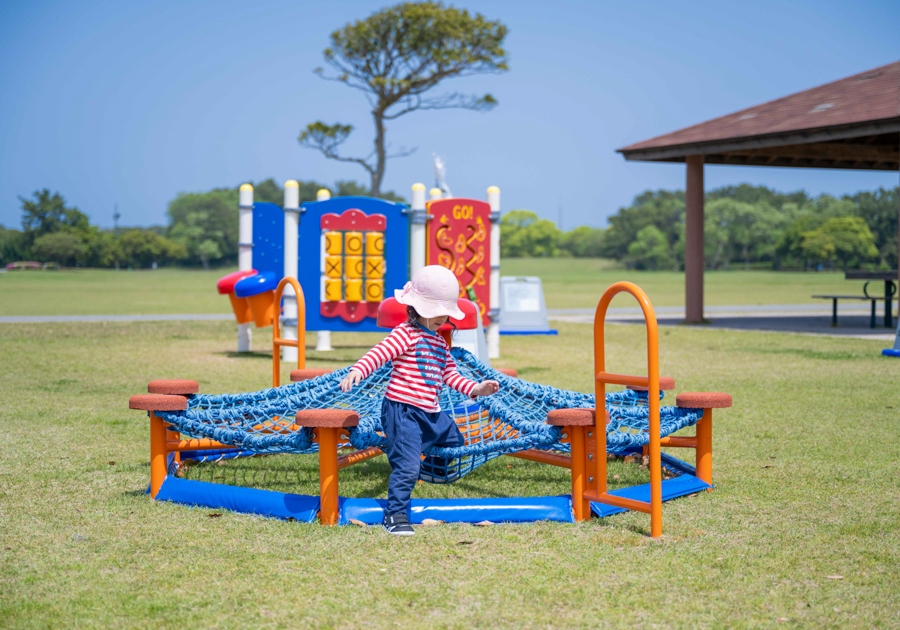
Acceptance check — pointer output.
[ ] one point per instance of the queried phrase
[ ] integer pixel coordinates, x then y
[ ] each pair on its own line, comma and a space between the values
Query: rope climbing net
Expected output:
510, 421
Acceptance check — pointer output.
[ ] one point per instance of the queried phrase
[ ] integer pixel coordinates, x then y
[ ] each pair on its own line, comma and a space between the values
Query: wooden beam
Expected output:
830, 151
679, 152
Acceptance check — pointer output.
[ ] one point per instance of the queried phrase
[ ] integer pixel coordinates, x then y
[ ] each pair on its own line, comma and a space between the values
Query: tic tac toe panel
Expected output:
353, 252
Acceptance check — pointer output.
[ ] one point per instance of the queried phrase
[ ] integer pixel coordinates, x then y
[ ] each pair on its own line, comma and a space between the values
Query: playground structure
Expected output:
353, 249
525, 420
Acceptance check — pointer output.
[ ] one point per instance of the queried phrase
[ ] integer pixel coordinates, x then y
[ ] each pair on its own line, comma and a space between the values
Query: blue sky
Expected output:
134, 102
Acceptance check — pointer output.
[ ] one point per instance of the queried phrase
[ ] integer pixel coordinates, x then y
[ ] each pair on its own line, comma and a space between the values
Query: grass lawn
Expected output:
568, 283
579, 282
110, 292
802, 528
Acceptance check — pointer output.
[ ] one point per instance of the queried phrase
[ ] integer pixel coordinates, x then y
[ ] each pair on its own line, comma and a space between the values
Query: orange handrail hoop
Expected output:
596, 457
277, 341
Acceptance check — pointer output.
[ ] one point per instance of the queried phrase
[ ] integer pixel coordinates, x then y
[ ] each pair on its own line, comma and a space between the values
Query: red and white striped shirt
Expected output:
422, 362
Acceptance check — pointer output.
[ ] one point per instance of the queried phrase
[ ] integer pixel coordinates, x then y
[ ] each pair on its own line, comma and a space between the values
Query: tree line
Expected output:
743, 225
202, 229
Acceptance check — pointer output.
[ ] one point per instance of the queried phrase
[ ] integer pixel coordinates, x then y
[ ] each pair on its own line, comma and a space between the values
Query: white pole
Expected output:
418, 219
435, 193
493, 331
323, 337
291, 232
245, 255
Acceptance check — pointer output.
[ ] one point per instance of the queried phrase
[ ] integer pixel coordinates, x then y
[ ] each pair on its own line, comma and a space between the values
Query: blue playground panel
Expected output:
396, 254
268, 239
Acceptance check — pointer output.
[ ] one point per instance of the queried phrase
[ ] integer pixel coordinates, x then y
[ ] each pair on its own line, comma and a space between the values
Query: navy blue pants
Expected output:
410, 431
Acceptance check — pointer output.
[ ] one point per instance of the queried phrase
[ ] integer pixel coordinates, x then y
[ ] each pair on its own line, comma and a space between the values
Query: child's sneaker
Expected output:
397, 524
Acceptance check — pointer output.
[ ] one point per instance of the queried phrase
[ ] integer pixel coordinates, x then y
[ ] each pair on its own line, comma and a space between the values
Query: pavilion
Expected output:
853, 123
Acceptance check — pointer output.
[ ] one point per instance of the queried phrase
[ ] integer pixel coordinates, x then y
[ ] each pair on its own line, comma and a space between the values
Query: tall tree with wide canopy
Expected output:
395, 57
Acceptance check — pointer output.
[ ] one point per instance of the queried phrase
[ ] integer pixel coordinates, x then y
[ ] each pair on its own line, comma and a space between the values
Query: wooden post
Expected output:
693, 240
158, 454
707, 401
574, 424
328, 424
704, 447
328, 475
580, 506
161, 398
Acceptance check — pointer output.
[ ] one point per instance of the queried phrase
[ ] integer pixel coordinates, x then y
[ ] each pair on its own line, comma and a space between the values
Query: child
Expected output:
411, 415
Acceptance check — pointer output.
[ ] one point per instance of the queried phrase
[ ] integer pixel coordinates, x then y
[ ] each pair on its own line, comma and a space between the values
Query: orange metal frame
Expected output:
278, 342
589, 443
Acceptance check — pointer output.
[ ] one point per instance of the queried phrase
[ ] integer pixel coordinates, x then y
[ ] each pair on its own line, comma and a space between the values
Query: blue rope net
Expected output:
510, 421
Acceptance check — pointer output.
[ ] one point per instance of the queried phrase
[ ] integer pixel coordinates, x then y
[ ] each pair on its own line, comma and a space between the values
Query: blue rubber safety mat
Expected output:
671, 489
500, 510
214, 455
298, 507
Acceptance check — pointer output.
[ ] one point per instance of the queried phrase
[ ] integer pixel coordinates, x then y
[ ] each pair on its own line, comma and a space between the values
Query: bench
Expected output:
834, 302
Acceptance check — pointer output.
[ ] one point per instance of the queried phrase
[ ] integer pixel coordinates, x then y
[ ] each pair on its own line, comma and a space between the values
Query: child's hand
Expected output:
353, 378
486, 388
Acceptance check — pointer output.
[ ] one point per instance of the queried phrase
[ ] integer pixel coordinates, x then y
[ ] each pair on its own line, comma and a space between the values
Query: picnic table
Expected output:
890, 289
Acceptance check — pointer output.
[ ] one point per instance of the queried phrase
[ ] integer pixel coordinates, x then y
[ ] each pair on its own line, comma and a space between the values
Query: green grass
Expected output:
109, 292
579, 282
568, 283
806, 466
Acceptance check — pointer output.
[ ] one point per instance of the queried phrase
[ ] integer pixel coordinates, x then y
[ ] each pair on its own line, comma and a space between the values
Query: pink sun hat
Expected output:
432, 292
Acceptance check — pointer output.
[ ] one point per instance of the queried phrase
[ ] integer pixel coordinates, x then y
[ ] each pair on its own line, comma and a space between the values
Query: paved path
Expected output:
755, 308
804, 319
573, 314
814, 319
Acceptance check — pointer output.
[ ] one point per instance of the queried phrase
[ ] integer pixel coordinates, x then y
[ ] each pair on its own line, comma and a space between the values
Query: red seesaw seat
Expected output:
328, 418
703, 400
306, 374
157, 402
176, 386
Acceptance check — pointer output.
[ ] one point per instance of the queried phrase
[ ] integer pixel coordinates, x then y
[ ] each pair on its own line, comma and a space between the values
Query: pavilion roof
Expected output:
850, 123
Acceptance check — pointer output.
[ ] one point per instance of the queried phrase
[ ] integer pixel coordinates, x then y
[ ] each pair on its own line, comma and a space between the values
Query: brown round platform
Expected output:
703, 400
666, 383
571, 417
333, 418
173, 386
509, 372
157, 402
306, 374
